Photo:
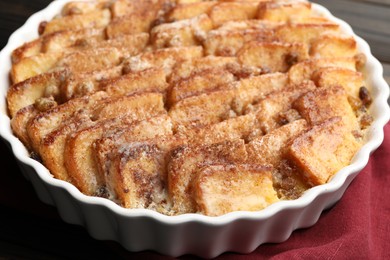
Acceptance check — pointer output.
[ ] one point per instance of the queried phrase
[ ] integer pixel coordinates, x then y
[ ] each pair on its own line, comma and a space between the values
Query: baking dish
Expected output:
138, 229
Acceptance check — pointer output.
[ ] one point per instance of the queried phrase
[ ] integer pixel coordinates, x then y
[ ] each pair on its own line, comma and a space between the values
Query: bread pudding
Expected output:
189, 106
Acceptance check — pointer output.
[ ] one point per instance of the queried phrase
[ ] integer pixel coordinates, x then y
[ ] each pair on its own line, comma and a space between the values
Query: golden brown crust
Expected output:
269, 110
324, 103
284, 11
270, 148
231, 11
187, 160
20, 121
220, 189
198, 82
337, 146
93, 19
272, 56
25, 93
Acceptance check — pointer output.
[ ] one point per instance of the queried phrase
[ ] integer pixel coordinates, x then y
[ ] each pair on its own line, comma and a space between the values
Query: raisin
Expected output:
45, 103
102, 192
237, 106
82, 43
283, 121
364, 96
157, 22
51, 91
288, 116
35, 156
42, 27
291, 59
366, 121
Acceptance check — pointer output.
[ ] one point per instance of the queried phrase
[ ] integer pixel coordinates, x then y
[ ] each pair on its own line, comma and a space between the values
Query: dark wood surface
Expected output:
30, 229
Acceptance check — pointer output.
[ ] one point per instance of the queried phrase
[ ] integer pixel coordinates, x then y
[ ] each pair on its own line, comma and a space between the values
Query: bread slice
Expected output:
124, 7
136, 106
80, 7
222, 42
133, 23
220, 189
90, 60
69, 41
254, 88
269, 149
306, 33
93, 19
284, 11
324, 103
163, 58
272, 56
52, 145
20, 121
127, 45
323, 150
202, 110
56, 41
78, 85
32, 66
350, 80
269, 110
189, 10
137, 176
199, 82
153, 79
79, 160
28, 49
185, 162
106, 147
47, 121
75, 60
330, 45
248, 25
231, 11
181, 33
304, 70
241, 127
184, 69
60, 40
25, 93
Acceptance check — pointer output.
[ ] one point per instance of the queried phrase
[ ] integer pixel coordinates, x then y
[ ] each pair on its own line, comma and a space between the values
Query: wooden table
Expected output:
30, 229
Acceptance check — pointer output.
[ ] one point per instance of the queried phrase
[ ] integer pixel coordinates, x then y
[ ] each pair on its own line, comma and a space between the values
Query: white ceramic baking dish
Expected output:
139, 229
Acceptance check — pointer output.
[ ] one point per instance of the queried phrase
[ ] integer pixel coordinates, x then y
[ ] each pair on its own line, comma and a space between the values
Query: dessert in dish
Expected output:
190, 106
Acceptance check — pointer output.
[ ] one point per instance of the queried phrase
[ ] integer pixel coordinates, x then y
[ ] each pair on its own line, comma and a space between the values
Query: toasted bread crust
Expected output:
336, 144
225, 188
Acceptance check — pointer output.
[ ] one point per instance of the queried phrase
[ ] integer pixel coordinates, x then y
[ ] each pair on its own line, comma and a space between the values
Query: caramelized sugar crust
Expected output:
190, 106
